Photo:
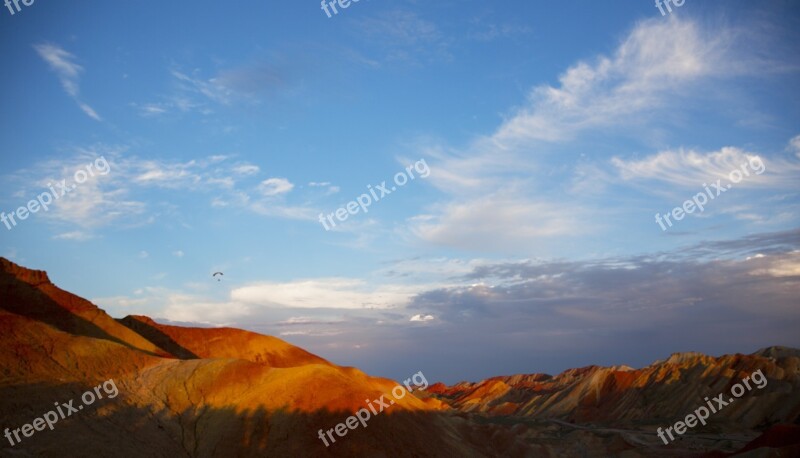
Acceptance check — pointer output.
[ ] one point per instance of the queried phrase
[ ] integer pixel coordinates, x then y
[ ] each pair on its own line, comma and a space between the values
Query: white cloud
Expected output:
99, 201
499, 221
636, 79
275, 186
172, 305
340, 293
104, 200
295, 320
168, 175
74, 235
183, 307
310, 333
89, 111
152, 109
236, 198
68, 71
63, 64
272, 209
690, 169
646, 73
325, 184
794, 144
504, 188
422, 318
178, 254
120, 302
777, 266
211, 88
246, 169
93, 205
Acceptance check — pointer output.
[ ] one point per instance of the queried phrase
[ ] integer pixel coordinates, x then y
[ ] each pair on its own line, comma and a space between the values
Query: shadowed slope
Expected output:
30, 293
147, 328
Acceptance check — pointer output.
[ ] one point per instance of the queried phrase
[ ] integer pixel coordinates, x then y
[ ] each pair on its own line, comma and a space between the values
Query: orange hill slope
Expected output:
231, 393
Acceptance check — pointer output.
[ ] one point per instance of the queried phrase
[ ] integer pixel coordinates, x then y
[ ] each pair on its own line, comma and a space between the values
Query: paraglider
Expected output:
220, 275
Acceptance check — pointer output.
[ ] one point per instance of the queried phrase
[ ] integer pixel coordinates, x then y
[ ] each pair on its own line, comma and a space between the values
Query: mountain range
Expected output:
204, 392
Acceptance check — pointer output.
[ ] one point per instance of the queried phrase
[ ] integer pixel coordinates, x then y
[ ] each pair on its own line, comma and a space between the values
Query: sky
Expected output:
536, 185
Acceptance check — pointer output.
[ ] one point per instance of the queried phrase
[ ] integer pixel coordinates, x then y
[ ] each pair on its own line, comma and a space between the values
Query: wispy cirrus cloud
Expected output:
74, 235
493, 31
330, 188
68, 71
213, 88
247, 84
690, 168
794, 146
766, 182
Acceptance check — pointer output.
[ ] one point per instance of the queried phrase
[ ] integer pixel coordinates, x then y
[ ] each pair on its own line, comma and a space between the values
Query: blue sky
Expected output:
553, 133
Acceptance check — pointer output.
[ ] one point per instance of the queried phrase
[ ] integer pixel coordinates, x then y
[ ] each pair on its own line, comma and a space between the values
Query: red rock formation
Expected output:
662, 391
233, 393
225, 392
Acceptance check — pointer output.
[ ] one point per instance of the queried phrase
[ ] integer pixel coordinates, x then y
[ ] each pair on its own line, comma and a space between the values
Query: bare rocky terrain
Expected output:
198, 392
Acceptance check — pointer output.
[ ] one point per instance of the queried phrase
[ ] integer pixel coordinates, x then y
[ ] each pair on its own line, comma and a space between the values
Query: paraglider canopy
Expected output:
220, 275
